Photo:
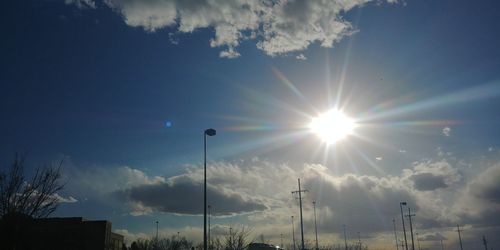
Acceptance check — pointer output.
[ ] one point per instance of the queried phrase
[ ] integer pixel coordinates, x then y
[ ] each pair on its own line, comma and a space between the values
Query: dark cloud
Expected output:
487, 185
360, 201
186, 197
428, 181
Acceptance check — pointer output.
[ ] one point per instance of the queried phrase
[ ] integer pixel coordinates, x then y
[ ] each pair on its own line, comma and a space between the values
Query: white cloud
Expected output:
279, 27
81, 4
446, 131
131, 237
69, 199
301, 57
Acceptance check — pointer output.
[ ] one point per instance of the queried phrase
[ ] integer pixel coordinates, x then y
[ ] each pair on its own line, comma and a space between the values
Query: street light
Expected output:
209, 132
156, 230
209, 215
315, 227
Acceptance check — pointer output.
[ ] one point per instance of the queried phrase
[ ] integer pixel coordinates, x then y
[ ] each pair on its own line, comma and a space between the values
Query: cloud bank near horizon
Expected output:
278, 27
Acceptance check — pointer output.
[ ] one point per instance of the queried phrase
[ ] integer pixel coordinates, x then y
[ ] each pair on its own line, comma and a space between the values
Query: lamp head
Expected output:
210, 132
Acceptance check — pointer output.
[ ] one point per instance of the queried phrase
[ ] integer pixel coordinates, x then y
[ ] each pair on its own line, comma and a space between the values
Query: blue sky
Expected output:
95, 82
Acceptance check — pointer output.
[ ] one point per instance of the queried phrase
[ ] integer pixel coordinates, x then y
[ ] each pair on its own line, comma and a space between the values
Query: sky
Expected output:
122, 91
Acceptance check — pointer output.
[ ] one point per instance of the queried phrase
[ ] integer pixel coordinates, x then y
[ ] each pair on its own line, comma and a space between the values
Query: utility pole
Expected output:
359, 240
395, 234
281, 241
460, 237
231, 237
315, 226
293, 234
418, 242
485, 242
345, 237
411, 228
300, 191
442, 246
401, 204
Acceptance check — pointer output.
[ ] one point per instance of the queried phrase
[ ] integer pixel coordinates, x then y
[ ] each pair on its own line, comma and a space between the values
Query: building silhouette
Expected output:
73, 233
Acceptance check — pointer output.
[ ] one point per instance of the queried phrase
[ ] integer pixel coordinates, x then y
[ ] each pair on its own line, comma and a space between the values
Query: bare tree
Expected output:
36, 197
237, 239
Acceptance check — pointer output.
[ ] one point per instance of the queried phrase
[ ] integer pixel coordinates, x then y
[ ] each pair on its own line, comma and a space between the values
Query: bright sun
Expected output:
332, 126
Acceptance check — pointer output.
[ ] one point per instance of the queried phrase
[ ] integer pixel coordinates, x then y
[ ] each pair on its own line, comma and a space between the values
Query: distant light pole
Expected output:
209, 132
231, 237
401, 204
209, 213
281, 241
178, 236
418, 242
156, 230
485, 243
359, 240
315, 226
395, 234
345, 237
293, 234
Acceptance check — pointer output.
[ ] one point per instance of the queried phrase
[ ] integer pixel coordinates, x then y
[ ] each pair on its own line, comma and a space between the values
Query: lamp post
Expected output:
315, 226
156, 230
293, 234
345, 237
209, 213
209, 132
401, 204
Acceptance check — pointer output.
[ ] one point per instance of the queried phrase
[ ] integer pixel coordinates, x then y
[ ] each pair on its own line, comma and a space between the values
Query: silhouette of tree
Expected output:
23, 199
173, 243
237, 239
36, 197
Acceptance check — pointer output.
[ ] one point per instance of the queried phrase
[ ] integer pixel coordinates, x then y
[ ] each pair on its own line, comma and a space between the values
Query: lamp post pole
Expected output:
345, 237
209, 132
156, 230
209, 213
315, 226
293, 234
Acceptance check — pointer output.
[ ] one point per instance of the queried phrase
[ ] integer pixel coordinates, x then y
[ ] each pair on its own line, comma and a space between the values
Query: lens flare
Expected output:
332, 126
